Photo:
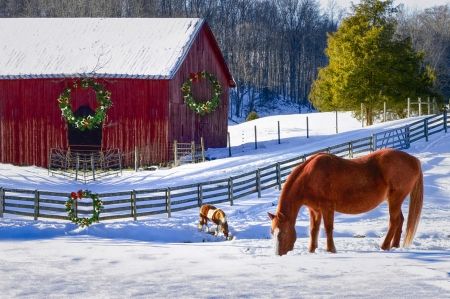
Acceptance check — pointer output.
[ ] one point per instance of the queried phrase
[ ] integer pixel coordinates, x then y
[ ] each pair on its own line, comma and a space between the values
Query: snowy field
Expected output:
159, 257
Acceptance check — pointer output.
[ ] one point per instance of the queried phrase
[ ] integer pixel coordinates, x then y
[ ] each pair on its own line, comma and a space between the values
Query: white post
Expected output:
362, 115
429, 108
336, 122
420, 106
136, 158
384, 111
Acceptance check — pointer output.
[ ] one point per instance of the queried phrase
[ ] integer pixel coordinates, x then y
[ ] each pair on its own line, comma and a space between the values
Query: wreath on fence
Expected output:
210, 105
97, 206
89, 122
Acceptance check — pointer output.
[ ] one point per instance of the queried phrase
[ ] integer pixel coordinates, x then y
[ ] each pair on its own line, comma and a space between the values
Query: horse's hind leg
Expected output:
315, 218
394, 232
398, 233
328, 220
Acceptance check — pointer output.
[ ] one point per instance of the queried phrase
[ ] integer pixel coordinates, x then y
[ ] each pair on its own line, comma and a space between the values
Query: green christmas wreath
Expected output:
85, 123
97, 206
201, 108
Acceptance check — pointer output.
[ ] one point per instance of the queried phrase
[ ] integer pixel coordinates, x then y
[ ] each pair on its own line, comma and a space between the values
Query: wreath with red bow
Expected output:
97, 206
85, 123
210, 105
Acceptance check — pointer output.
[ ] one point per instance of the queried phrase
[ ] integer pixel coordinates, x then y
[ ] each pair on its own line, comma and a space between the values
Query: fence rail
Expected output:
141, 203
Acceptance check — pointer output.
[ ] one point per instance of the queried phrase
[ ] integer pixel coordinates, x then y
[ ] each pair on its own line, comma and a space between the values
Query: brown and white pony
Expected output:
326, 183
215, 215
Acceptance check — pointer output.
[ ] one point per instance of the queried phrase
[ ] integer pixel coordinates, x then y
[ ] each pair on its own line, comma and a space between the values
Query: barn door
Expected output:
90, 140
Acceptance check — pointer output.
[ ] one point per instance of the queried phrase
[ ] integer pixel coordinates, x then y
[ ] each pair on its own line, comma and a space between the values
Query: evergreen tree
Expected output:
369, 64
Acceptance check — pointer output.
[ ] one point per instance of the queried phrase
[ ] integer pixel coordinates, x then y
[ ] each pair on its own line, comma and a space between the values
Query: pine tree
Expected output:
369, 64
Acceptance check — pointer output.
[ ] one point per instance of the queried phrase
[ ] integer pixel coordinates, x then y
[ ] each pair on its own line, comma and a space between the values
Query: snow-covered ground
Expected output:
160, 257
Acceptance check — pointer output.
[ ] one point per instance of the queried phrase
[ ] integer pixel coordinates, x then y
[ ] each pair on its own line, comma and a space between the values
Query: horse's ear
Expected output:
271, 216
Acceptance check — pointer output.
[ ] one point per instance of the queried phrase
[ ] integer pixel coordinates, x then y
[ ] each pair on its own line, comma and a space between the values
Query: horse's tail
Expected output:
415, 208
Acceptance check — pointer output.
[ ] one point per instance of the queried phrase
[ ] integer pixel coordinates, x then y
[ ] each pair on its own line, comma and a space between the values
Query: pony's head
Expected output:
283, 233
225, 230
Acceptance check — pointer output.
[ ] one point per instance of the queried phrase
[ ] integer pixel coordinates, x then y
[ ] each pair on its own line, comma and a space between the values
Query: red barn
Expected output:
143, 63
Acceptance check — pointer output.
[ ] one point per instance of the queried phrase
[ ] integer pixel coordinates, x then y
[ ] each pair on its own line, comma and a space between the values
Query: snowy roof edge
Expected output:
85, 75
186, 49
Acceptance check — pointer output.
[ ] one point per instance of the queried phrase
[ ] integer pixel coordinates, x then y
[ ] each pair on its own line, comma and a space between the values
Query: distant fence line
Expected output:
141, 203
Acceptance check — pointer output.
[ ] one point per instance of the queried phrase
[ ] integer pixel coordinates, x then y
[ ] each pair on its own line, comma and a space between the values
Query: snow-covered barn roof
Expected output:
74, 47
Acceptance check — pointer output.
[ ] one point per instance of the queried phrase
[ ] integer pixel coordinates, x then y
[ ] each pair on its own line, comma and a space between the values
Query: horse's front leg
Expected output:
328, 220
315, 218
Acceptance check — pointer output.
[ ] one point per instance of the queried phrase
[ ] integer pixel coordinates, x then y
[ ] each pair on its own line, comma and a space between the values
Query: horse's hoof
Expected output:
385, 248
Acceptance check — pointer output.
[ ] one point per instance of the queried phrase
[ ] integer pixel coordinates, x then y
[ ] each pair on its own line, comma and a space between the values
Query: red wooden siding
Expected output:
185, 125
147, 114
31, 122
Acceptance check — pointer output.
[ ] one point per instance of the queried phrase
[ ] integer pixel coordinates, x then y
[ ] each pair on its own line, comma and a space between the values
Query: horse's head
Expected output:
283, 233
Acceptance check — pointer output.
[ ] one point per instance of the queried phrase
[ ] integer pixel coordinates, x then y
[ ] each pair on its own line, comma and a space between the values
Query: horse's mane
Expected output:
293, 176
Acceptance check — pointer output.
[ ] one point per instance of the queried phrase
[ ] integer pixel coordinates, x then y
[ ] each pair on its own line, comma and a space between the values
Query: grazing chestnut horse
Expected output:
326, 183
217, 216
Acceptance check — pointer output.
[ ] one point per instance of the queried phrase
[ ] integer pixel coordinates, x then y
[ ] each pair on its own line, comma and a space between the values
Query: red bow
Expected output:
195, 77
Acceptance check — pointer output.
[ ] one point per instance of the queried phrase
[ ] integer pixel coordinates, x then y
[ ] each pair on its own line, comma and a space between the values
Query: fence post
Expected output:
373, 140
408, 109
2, 201
136, 158
49, 161
278, 170
258, 182
336, 122
279, 141
350, 149
36, 204
120, 162
175, 153
76, 167
168, 207
229, 144
202, 146
408, 143
200, 195
133, 205
193, 151
230, 190
445, 120
93, 166
256, 139
419, 100
307, 127
362, 115
75, 208
384, 111
429, 108
425, 128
